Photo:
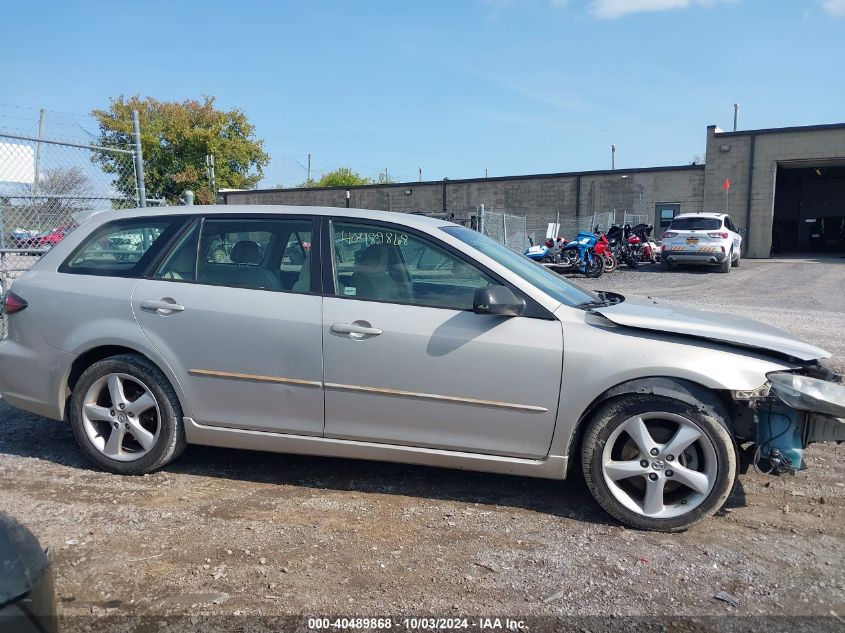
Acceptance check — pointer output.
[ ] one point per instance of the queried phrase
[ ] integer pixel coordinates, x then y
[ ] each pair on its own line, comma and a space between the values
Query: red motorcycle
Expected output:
642, 244
602, 249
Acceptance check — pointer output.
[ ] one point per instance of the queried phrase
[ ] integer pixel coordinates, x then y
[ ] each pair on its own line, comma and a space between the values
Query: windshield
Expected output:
695, 224
552, 284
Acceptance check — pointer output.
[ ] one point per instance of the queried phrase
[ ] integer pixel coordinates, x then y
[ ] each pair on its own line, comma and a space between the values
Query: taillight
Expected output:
722, 234
13, 303
670, 234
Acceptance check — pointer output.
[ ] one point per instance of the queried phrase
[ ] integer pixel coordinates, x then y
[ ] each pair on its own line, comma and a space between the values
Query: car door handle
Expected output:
355, 329
154, 306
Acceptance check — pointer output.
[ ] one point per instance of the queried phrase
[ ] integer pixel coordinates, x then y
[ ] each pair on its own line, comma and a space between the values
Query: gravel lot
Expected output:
232, 532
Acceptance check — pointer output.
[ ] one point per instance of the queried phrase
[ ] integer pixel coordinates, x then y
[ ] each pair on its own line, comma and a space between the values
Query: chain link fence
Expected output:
507, 229
634, 219
44, 182
569, 226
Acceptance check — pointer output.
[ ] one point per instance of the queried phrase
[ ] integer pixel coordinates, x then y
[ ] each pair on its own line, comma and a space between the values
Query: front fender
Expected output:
602, 360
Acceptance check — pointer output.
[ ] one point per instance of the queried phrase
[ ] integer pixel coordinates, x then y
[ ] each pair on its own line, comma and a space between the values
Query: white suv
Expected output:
701, 238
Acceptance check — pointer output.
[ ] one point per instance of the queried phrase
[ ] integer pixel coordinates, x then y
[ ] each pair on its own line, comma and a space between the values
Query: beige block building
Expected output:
787, 191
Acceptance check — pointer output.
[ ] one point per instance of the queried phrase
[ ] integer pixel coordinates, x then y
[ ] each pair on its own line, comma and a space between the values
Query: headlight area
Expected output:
788, 413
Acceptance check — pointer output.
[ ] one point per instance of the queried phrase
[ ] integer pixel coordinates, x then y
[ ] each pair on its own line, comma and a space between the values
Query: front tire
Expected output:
656, 463
126, 416
594, 267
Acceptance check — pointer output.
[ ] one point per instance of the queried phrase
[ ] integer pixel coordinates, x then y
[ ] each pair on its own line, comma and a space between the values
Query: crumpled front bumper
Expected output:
822, 400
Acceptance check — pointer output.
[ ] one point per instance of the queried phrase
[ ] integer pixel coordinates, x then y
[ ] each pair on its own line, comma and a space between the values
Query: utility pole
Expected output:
420, 173
386, 176
308, 176
736, 116
485, 173
613, 156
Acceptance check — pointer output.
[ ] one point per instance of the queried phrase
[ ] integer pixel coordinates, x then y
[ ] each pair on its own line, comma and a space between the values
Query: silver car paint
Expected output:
651, 314
261, 334
76, 313
437, 352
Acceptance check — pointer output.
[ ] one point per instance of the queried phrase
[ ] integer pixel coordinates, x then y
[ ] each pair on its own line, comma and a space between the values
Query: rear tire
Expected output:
126, 416
609, 262
735, 263
690, 462
725, 266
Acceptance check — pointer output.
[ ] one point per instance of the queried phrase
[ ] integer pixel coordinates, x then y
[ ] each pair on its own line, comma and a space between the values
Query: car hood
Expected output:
650, 314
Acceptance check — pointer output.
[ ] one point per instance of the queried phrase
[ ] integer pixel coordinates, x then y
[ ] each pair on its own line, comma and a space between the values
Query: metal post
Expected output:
188, 197
38, 153
481, 219
736, 116
348, 196
308, 177
139, 161
37, 179
613, 156
212, 179
504, 230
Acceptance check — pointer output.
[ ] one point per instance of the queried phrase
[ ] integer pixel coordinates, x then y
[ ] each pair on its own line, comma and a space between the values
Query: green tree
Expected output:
175, 140
340, 177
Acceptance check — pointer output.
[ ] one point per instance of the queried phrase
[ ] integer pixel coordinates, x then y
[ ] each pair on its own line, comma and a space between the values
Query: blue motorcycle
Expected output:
582, 254
539, 253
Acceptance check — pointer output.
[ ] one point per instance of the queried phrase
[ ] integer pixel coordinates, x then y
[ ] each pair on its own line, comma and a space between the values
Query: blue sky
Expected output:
514, 86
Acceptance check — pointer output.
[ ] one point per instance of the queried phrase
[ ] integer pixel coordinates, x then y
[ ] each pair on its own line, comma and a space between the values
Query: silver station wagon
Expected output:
384, 336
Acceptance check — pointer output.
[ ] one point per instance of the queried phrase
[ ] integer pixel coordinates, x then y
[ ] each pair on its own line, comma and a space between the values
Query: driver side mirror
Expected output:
498, 300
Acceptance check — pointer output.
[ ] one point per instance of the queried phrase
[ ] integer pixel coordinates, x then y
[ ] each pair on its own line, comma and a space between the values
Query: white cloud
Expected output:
834, 7
611, 9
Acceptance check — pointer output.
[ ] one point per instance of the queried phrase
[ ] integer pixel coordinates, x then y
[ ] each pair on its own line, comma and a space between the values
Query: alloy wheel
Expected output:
121, 417
659, 464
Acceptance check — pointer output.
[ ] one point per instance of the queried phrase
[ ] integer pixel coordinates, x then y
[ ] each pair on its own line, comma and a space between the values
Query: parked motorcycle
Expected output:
646, 246
622, 248
583, 255
603, 249
548, 252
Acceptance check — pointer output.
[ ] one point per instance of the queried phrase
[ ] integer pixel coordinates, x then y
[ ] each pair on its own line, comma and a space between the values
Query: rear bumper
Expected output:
34, 379
694, 257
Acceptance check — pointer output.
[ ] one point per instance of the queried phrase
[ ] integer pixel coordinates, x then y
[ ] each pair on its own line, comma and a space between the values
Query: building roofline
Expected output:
406, 185
782, 130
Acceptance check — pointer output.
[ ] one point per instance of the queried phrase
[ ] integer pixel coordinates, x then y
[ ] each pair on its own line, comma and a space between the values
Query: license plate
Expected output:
692, 240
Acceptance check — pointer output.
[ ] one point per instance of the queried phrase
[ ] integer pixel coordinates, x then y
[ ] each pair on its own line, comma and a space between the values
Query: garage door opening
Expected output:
809, 213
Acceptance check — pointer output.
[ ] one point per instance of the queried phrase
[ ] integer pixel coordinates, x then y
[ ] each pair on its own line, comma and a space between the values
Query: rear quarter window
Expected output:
122, 248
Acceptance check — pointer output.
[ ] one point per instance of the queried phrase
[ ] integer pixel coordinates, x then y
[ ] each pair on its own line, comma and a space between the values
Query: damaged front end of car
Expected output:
792, 410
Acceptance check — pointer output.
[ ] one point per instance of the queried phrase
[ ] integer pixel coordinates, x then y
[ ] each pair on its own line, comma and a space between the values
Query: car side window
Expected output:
256, 253
180, 263
729, 224
122, 248
383, 263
